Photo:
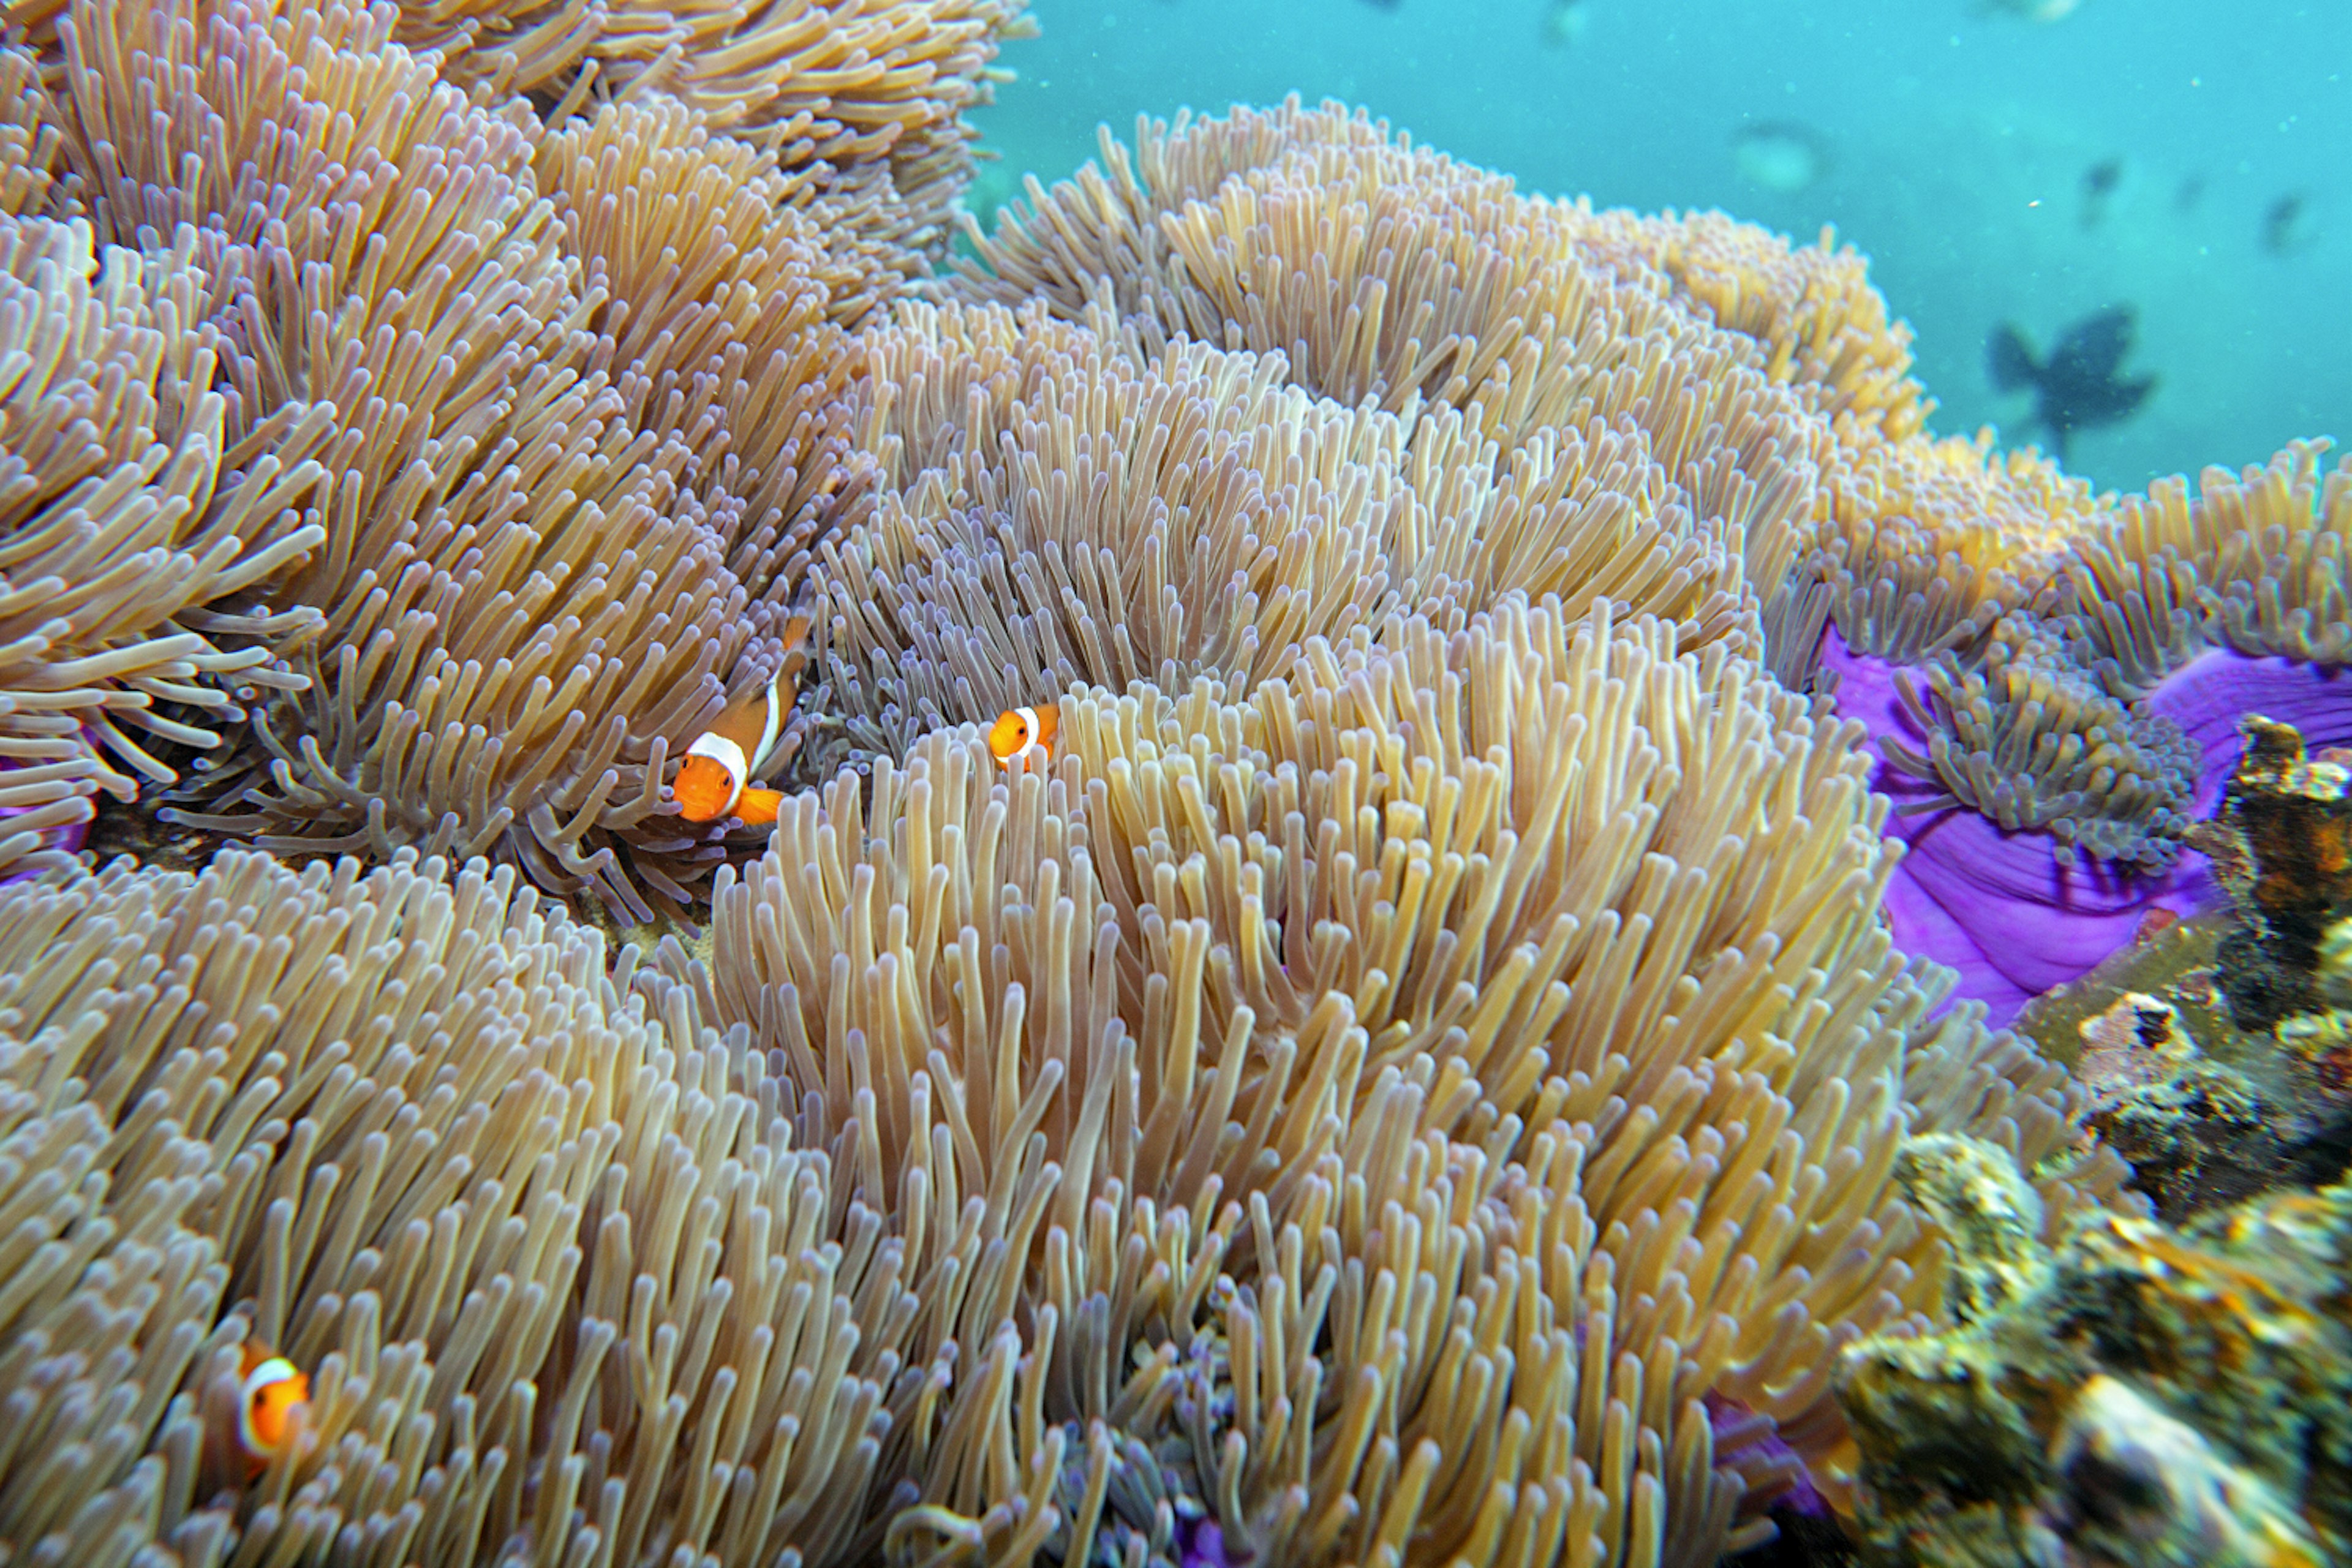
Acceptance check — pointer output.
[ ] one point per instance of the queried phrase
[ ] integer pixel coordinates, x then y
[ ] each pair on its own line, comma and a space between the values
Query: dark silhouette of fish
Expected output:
2099, 182
2081, 385
2287, 226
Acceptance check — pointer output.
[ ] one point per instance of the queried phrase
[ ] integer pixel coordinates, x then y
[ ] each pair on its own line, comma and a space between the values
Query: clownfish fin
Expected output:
785, 689
798, 646
757, 807
799, 649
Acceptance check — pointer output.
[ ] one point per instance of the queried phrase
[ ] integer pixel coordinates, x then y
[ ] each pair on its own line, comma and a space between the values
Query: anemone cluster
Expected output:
1421, 1072
2050, 754
419, 418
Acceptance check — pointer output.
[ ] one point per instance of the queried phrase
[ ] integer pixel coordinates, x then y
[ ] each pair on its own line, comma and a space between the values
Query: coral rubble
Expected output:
2214, 1049
2150, 1395
2206, 1112
2197, 1128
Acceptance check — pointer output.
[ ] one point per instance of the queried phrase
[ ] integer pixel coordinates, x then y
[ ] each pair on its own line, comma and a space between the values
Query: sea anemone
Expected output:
123, 541
417, 1133
1570, 432
2045, 785
1420, 1071
1458, 1064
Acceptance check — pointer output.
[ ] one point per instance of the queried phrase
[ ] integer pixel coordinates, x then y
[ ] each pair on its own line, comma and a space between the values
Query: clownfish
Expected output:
723, 758
1024, 735
269, 1390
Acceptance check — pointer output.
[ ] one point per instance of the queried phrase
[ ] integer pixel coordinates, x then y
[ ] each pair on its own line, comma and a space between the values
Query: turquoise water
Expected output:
1956, 145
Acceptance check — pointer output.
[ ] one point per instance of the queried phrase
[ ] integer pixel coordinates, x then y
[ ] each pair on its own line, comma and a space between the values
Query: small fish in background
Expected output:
1781, 155
2081, 385
2031, 10
1565, 22
2099, 182
2288, 225
2186, 195
1025, 735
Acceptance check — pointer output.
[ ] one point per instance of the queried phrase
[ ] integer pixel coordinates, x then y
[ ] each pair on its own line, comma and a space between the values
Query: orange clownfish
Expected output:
723, 758
269, 1390
1024, 735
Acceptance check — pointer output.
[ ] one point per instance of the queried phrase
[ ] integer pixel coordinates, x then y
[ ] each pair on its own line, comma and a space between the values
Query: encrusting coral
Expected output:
2290, 817
1421, 1072
2144, 1396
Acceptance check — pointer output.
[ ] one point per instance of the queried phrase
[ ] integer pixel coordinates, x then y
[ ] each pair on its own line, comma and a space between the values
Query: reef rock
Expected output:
2150, 1396
2290, 818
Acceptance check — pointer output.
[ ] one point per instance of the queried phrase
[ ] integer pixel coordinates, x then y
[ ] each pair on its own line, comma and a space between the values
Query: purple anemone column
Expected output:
1998, 906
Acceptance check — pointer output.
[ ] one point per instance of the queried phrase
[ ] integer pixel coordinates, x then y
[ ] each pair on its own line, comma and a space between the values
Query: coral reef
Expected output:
2150, 1395
1424, 1070
2144, 1396
2197, 1128
2291, 877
